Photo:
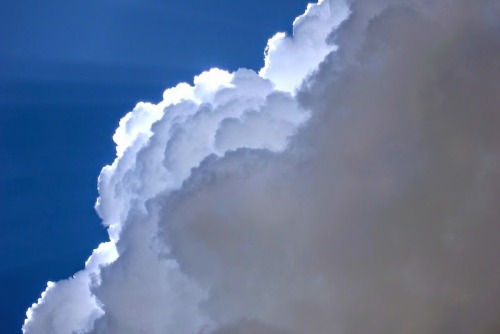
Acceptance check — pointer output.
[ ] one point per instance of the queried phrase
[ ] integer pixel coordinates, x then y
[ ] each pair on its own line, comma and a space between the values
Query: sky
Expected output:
346, 180
68, 72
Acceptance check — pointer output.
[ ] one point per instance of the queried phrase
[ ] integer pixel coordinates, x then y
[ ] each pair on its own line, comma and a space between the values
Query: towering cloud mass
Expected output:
350, 186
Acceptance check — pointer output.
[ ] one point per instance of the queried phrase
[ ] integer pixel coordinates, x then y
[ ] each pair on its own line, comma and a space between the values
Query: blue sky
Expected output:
68, 71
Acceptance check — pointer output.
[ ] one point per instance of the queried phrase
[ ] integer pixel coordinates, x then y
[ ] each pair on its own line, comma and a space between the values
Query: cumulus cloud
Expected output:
133, 284
357, 196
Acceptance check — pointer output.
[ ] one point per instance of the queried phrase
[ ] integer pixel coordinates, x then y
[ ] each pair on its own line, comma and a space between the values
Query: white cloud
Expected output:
289, 59
133, 284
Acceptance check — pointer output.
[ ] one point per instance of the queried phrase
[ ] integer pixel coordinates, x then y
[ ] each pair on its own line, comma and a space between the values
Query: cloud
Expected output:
363, 199
289, 59
381, 216
133, 284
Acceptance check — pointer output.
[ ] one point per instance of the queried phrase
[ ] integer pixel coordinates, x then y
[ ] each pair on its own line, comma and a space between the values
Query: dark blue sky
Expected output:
68, 71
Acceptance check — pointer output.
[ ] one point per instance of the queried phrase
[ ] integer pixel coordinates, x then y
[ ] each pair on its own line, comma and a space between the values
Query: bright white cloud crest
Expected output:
132, 284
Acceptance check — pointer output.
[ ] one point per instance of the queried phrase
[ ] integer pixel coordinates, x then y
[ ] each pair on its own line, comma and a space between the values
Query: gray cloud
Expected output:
250, 327
383, 215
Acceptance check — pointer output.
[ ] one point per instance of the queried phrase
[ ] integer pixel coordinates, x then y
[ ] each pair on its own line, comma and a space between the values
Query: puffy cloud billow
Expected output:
350, 186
